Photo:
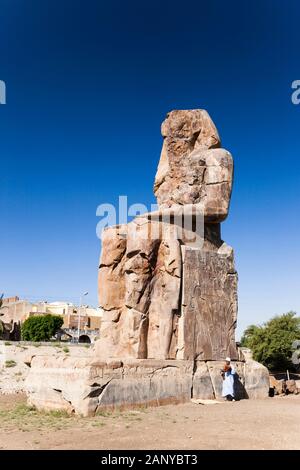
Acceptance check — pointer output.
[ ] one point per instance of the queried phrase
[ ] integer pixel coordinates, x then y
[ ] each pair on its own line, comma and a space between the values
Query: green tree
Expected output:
41, 327
271, 343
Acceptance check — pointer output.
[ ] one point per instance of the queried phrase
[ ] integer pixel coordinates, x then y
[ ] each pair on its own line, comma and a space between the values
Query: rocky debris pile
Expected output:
284, 386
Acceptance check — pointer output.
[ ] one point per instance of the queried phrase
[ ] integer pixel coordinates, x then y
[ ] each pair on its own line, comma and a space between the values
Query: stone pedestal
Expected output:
85, 386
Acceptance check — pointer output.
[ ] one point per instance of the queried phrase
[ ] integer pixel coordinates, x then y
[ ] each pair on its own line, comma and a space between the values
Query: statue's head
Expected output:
193, 169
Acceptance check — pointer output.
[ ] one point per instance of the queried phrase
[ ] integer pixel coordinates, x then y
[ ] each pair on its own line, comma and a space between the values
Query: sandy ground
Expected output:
272, 423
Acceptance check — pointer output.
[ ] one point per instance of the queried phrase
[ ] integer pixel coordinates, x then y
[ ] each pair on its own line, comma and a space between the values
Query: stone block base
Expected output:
86, 386
251, 380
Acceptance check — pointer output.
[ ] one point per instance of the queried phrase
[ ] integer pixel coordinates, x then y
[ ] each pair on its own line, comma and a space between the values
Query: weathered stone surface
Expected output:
139, 291
85, 386
111, 273
251, 379
277, 385
193, 125
283, 386
257, 381
145, 301
202, 383
12, 379
209, 304
192, 169
291, 386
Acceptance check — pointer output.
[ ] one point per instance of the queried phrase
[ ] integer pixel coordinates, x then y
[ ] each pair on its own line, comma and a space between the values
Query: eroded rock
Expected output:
139, 292
209, 304
192, 168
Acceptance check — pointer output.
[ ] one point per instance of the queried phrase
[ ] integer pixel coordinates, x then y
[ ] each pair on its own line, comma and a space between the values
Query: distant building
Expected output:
16, 310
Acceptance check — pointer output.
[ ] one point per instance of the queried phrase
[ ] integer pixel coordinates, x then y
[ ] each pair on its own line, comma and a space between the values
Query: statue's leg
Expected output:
141, 255
165, 298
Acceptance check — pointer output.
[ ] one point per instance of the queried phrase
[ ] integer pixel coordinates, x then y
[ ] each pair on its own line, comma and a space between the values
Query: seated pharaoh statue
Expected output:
167, 282
168, 292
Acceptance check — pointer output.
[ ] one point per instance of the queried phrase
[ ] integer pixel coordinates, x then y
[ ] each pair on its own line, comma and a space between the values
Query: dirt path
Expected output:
273, 423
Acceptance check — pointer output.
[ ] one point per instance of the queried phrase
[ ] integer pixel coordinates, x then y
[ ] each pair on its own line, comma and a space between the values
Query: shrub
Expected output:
271, 343
41, 327
10, 363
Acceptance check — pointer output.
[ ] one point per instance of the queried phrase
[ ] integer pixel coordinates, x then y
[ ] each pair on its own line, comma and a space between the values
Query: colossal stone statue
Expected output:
165, 294
168, 290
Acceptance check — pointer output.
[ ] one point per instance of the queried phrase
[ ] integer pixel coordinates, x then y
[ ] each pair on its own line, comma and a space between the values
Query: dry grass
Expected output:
271, 423
10, 363
25, 418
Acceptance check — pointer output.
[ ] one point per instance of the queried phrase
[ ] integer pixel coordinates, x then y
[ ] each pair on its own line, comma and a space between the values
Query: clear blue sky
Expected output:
88, 84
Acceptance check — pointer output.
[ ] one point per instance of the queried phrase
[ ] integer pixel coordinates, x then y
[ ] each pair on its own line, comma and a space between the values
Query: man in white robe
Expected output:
228, 380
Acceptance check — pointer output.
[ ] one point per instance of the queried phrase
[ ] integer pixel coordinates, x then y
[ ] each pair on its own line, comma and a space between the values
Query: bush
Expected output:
10, 363
271, 343
41, 327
